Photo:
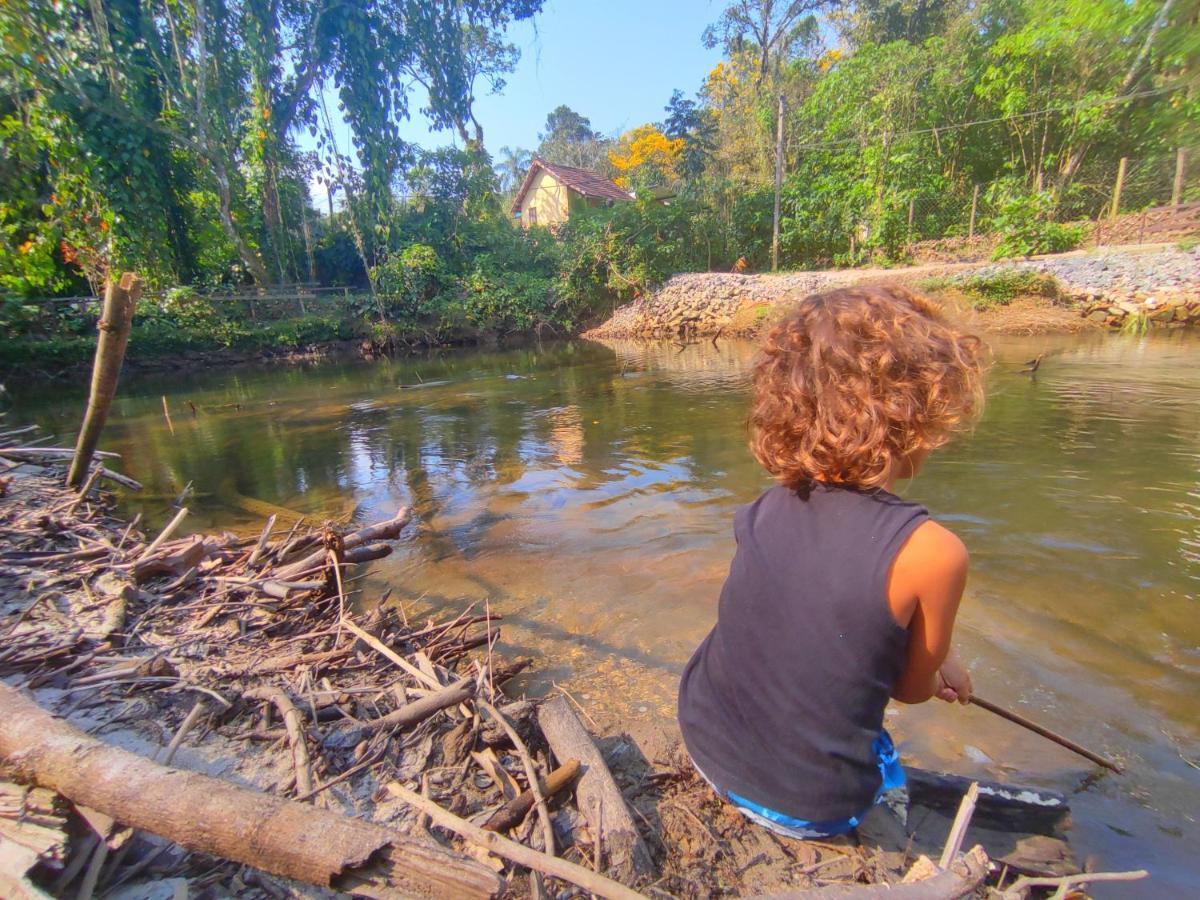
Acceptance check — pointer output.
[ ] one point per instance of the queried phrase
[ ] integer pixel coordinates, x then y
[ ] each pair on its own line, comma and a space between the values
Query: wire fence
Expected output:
1100, 192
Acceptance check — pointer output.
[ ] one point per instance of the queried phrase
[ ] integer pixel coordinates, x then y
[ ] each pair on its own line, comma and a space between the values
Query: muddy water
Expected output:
586, 491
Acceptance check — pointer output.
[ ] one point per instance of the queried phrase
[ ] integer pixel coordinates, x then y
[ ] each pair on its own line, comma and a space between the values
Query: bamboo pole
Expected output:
778, 186
1180, 169
120, 298
1116, 200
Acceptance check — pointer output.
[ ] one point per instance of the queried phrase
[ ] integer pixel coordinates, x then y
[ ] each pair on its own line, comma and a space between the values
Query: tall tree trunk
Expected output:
115, 319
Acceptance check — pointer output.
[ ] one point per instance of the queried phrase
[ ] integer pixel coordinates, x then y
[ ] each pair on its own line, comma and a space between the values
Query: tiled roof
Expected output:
589, 184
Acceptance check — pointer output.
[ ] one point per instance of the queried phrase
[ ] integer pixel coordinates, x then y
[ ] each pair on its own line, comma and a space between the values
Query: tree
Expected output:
484, 55
511, 167
569, 139
645, 157
770, 27
148, 100
690, 122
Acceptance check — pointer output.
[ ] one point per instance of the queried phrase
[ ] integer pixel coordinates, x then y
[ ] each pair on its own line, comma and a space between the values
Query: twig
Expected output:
294, 723
1025, 882
184, 727
87, 486
383, 649
518, 853
531, 771
166, 533
562, 690
262, 542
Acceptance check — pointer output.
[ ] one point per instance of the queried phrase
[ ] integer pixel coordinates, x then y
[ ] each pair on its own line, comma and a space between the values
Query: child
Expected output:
841, 595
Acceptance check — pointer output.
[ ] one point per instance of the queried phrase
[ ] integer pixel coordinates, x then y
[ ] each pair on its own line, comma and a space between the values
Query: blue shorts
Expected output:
893, 779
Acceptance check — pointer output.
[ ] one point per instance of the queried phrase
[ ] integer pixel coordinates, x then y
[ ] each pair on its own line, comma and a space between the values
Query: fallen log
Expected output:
596, 794
208, 815
514, 811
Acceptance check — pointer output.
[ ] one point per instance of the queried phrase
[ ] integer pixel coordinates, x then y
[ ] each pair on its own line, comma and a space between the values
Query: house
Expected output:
550, 193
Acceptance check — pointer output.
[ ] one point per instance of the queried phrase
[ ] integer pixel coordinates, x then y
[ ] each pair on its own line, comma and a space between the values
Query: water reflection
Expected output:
586, 490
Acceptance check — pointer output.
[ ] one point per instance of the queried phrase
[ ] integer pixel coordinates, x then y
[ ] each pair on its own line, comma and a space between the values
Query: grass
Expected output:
1189, 243
999, 288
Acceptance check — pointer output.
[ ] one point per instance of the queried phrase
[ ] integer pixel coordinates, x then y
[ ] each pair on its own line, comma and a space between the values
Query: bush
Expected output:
1025, 223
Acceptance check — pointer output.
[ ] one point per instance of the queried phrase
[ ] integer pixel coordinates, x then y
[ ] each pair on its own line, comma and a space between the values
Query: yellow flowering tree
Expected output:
646, 157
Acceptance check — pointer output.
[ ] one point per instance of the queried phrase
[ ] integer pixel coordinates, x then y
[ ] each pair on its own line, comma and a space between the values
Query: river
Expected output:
586, 492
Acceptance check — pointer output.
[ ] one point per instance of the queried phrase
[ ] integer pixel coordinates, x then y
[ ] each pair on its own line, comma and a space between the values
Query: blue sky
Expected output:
614, 61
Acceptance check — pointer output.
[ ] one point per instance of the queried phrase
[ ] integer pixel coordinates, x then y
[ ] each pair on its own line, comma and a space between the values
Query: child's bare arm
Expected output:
924, 591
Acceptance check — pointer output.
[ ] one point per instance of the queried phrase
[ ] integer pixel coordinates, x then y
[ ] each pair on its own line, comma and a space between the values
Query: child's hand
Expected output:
953, 680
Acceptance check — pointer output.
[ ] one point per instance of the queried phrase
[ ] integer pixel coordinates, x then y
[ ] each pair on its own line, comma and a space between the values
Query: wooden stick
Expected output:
261, 546
87, 486
166, 533
1018, 719
531, 772
958, 830
384, 650
167, 414
553, 866
597, 793
1018, 888
418, 710
511, 813
294, 723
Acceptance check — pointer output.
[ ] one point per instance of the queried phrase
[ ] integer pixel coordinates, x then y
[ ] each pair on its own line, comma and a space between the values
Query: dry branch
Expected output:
518, 853
213, 816
511, 813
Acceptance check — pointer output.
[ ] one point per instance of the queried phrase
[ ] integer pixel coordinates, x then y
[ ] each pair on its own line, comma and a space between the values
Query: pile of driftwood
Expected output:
394, 763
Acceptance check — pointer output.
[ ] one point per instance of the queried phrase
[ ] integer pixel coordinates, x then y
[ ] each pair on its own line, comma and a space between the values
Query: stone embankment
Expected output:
1160, 285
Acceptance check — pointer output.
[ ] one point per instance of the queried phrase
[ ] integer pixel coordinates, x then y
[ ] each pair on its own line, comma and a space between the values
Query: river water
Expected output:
585, 491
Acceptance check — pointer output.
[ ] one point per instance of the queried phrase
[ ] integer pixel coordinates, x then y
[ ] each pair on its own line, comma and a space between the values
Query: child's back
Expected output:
841, 595
793, 681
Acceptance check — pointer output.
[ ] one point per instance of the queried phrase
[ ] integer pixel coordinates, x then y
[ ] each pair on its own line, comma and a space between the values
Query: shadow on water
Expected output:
586, 492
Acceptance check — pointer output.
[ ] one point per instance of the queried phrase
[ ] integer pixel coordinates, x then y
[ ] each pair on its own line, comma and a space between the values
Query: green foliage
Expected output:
1026, 226
1000, 286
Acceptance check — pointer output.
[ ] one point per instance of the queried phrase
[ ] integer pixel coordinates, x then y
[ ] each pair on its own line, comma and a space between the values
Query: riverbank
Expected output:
246, 662
1064, 293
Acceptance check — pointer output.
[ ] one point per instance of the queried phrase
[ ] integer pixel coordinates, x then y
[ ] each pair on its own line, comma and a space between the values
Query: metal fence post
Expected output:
1116, 200
974, 207
1180, 168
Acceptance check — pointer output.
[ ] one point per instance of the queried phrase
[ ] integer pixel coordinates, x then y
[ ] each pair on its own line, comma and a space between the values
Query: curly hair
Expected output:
854, 381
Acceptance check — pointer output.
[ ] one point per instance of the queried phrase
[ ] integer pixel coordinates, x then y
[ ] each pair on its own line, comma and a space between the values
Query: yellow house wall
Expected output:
549, 197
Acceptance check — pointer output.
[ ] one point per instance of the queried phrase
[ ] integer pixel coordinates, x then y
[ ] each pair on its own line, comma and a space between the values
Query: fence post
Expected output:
911, 202
1116, 201
1180, 168
974, 206
778, 186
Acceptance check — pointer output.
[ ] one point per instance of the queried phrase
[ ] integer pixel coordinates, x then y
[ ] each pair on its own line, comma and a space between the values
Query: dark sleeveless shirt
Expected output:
783, 700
